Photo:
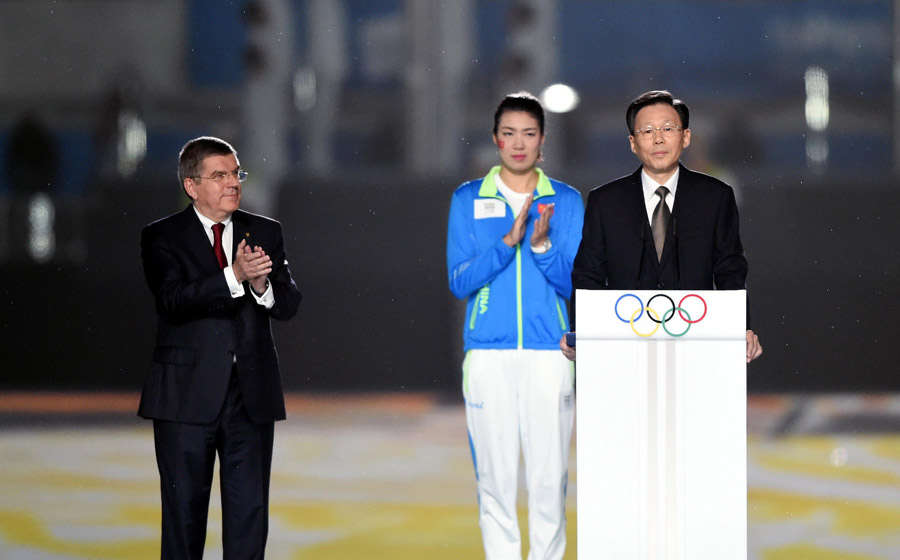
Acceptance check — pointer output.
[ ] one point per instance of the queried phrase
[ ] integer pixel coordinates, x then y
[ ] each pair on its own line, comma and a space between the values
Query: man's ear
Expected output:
189, 188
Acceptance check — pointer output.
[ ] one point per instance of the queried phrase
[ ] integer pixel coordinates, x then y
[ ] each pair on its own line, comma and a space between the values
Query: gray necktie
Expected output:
660, 221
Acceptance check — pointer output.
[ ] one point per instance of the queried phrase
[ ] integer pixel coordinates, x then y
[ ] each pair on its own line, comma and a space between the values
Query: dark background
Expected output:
377, 314
366, 242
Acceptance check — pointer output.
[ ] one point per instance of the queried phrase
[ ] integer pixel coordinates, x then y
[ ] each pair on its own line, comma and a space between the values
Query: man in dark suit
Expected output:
217, 274
664, 226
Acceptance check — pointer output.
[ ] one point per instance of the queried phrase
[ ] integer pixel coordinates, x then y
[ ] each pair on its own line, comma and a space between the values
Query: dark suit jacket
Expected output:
202, 329
702, 249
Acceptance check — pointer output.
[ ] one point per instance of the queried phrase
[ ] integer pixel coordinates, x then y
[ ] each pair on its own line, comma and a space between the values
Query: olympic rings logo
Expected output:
654, 316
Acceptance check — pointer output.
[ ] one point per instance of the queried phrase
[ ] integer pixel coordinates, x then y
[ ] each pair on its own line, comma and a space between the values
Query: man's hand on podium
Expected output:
569, 351
754, 348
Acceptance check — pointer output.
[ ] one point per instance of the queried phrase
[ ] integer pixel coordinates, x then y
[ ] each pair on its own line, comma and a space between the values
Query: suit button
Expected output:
661, 285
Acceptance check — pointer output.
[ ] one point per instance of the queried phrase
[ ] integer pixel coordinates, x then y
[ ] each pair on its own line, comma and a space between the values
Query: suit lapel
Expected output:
636, 205
240, 232
637, 212
683, 194
636, 239
196, 241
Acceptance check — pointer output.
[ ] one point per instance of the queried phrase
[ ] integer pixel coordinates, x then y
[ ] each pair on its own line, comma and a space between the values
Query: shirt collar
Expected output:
650, 186
207, 223
489, 185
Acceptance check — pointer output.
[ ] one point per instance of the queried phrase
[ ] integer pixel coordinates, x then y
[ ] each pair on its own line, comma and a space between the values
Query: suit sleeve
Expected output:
468, 268
589, 268
729, 262
287, 295
565, 234
180, 292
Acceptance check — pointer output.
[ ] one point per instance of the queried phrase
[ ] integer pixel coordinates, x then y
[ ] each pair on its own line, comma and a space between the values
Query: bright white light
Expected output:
132, 144
838, 457
304, 89
817, 108
817, 149
560, 98
41, 237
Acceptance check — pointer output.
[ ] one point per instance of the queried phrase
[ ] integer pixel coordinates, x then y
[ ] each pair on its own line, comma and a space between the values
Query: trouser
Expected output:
527, 397
186, 455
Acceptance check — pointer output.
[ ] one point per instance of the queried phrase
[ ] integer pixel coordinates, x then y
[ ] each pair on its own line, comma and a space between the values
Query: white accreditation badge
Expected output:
489, 208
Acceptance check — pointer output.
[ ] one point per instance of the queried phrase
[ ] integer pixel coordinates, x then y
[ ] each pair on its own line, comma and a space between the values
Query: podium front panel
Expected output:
662, 433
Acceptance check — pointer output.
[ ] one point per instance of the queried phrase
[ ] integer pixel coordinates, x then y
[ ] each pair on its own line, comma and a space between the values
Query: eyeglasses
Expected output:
240, 174
667, 130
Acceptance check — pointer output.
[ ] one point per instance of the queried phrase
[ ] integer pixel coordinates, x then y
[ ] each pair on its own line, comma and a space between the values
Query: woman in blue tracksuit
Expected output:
511, 240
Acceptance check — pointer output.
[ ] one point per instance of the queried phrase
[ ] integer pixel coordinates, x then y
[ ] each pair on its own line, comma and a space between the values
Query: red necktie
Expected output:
217, 244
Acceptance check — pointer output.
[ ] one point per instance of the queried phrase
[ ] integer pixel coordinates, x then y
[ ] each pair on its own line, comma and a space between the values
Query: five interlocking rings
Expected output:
660, 320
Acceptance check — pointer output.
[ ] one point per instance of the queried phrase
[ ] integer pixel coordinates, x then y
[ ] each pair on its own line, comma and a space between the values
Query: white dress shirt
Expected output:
651, 199
267, 299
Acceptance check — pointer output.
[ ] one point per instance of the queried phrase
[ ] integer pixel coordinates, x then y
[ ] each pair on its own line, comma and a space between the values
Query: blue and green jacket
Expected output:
516, 298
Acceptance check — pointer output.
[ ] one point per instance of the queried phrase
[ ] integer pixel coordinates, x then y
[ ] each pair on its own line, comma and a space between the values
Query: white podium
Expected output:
662, 425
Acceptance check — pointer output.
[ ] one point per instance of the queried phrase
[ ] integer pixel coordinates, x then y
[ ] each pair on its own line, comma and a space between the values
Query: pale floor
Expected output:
390, 477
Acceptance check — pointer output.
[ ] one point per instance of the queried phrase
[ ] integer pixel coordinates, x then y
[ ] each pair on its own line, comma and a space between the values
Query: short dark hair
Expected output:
522, 101
652, 98
192, 154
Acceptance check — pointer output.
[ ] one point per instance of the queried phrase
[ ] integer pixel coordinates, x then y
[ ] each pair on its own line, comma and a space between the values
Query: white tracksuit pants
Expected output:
525, 396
